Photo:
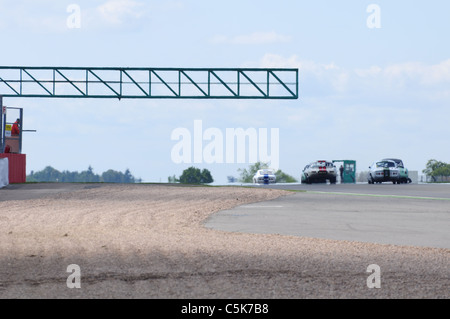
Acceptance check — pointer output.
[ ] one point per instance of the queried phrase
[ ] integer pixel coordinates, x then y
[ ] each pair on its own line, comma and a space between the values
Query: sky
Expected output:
374, 80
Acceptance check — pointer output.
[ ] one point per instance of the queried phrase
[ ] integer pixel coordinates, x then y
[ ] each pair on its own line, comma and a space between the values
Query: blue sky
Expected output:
365, 93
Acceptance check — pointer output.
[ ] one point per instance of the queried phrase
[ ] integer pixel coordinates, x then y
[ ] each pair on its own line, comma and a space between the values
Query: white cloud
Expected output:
126, 14
32, 16
252, 39
427, 75
327, 77
118, 12
369, 72
431, 81
51, 16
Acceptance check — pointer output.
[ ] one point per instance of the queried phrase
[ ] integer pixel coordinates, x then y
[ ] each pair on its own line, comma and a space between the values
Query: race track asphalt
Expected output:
405, 214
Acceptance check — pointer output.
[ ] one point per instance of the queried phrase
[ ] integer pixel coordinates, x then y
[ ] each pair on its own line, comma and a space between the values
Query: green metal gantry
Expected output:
149, 83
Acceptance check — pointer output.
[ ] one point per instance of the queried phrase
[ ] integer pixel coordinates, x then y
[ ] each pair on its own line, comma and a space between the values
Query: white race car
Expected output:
384, 171
264, 176
319, 172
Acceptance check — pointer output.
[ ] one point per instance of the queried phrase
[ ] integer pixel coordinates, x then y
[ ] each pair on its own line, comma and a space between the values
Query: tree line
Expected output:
50, 174
437, 170
194, 175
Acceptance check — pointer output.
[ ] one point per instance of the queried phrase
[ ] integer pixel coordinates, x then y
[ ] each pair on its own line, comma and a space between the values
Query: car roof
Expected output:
392, 159
386, 160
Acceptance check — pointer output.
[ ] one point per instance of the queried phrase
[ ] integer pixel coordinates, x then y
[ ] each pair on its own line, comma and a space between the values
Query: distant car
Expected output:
402, 170
387, 170
319, 172
265, 176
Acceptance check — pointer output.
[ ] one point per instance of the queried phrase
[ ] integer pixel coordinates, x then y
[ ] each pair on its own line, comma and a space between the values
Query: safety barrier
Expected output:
17, 167
4, 172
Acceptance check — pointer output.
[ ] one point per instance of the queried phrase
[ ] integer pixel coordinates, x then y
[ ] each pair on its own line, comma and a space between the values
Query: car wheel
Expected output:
333, 180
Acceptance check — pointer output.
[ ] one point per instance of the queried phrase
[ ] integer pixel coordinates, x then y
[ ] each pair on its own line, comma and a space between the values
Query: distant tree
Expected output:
69, 177
49, 174
284, 178
442, 171
436, 169
89, 176
434, 166
112, 176
206, 177
127, 177
194, 175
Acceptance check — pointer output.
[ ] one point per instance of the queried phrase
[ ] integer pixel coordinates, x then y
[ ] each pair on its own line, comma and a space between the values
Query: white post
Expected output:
2, 126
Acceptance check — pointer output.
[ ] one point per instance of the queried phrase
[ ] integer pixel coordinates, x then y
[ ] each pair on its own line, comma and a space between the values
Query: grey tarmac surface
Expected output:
406, 214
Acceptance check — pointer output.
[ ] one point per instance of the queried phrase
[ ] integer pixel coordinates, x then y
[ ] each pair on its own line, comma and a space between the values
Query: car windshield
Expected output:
399, 163
265, 171
385, 164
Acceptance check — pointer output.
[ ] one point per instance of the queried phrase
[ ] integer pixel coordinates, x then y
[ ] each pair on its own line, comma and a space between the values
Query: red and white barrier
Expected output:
17, 167
4, 172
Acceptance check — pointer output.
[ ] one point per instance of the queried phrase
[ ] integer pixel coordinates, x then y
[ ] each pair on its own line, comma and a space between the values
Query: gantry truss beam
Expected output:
148, 83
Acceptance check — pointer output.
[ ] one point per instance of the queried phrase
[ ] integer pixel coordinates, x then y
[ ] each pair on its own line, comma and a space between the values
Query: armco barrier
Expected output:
4, 172
17, 167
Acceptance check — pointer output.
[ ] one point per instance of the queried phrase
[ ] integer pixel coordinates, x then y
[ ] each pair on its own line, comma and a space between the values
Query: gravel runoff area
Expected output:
148, 241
